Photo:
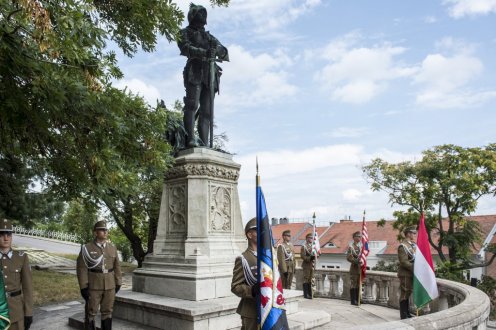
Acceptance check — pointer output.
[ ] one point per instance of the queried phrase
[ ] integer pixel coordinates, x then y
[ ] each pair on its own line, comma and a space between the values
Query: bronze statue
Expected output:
201, 76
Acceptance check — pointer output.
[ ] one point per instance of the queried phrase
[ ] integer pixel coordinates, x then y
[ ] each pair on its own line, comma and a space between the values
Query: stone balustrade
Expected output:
57, 235
459, 306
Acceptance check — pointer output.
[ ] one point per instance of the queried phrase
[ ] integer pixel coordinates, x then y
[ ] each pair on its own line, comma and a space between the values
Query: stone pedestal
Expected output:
200, 231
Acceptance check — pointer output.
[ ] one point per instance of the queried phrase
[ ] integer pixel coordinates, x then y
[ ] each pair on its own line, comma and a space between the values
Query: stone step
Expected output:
77, 322
305, 319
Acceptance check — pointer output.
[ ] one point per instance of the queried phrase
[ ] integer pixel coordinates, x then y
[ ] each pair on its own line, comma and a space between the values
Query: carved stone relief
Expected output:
220, 208
210, 170
177, 208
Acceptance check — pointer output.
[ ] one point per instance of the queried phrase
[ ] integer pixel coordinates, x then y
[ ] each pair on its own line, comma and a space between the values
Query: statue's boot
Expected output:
189, 127
204, 131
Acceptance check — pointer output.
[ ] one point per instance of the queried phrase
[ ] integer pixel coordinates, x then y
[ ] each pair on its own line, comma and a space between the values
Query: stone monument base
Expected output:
213, 314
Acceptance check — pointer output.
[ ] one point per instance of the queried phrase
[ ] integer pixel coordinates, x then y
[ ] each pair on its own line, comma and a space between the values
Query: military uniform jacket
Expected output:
353, 256
306, 254
17, 277
194, 43
104, 262
285, 258
406, 257
244, 277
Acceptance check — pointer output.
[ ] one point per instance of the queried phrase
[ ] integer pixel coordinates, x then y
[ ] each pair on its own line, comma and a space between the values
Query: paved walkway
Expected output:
47, 244
343, 315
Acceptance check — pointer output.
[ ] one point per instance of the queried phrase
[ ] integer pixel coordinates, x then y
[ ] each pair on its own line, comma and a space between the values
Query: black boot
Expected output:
91, 325
353, 297
407, 310
305, 290
357, 297
107, 324
403, 309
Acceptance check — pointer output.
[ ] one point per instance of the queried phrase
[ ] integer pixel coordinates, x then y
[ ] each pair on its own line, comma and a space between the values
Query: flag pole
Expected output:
360, 278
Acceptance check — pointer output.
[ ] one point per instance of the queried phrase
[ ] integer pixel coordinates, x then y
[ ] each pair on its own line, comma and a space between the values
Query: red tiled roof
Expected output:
340, 234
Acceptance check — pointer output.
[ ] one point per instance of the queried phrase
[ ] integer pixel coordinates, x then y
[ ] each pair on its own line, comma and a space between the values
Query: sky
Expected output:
316, 89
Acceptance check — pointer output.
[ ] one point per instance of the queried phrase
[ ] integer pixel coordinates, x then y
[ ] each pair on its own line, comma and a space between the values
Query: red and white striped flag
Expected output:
315, 243
365, 247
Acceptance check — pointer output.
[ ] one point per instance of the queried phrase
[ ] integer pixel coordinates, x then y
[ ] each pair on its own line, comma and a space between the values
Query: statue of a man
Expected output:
201, 75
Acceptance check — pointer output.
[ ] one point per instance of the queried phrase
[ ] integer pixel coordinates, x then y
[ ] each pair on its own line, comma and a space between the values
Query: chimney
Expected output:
274, 222
284, 221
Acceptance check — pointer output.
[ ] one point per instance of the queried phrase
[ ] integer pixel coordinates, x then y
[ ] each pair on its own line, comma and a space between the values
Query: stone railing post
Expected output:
334, 285
319, 284
368, 294
383, 285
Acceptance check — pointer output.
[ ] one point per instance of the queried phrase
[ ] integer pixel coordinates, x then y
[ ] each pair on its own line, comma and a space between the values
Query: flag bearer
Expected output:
406, 256
17, 280
353, 256
285, 258
308, 266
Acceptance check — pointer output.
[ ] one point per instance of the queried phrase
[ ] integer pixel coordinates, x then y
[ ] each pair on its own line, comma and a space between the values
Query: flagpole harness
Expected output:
249, 277
410, 252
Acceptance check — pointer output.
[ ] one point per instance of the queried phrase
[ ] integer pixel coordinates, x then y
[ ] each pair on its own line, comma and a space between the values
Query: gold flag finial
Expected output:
257, 177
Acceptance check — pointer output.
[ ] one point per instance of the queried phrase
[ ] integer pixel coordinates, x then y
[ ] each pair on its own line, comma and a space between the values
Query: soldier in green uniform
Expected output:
353, 256
99, 276
406, 256
244, 282
17, 280
308, 266
285, 258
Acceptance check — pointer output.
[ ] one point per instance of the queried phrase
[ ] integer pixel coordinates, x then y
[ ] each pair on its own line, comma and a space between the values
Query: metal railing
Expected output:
459, 306
57, 235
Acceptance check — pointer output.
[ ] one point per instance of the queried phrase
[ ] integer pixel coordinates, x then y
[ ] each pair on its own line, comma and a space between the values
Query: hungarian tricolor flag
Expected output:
424, 279
270, 302
4, 307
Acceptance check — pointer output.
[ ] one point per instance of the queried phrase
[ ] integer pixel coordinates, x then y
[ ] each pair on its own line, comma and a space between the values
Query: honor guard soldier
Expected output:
17, 280
353, 256
244, 282
308, 266
99, 276
406, 256
285, 258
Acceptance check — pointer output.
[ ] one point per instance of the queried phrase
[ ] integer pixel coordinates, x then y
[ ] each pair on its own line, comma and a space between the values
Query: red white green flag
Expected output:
424, 279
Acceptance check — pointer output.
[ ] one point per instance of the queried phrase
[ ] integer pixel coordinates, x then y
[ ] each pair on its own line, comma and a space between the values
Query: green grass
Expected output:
53, 287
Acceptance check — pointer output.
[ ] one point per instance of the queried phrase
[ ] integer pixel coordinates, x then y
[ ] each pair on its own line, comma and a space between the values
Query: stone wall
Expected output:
459, 306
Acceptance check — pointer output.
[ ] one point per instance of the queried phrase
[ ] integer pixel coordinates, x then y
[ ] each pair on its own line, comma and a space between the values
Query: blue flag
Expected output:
270, 302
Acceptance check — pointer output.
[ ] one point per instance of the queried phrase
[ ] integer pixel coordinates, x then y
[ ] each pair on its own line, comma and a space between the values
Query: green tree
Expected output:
386, 267
79, 219
447, 180
62, 118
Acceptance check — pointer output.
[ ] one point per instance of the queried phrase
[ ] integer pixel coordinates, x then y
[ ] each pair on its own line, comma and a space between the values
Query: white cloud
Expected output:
430, 19
327, 180
251, 79
348, 132
149, 92
351, 194
355, 73
261, 16
462, 8
444, 80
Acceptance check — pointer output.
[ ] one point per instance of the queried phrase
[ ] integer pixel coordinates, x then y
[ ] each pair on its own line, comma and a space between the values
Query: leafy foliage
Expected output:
66, 127
386, 267
80, 218
447, 180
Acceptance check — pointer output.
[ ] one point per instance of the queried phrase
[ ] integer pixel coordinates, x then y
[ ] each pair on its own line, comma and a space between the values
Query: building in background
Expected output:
336, 237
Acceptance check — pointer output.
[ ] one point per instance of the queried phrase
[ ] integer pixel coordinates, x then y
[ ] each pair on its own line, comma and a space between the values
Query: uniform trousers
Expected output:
104, 299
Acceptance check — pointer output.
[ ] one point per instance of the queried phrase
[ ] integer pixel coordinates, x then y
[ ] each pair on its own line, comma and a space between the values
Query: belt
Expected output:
13, 293
104, 271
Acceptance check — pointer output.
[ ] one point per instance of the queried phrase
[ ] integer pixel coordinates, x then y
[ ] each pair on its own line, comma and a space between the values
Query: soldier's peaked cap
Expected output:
5, 226
100, 225
286, 232
357, 233
410, 230
252, 224
309, 235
